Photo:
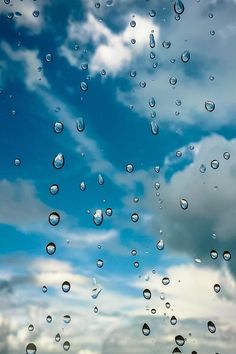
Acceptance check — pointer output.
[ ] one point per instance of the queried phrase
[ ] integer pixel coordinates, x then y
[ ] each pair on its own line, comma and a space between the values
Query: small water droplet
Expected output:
100, 179
166, 44
146, 330
95, 293
151, 40
49, 319
202, 168
154, 127
184, 204
165, 281
17, 162
152, 102
226, 155
129, 168
178, 7
134, 217
66, 346
84, 86
133, 252
147, 294
173, 80
211, 327
167, 305
59, 161
95, 310
217, 288
214, 254
142, 84
67, 319
179, 340
153, 311
185, 56
132, 23
57, 337
178, 153
136, 264
54, 218
51, 248
48, 57
44, 289
226, 255
212, 32
176, 350
31, 348
152, 13
215, 164
58, 127
109, 211
98, 217
160, 245
30, 328
82, 186
132, 73
211, 77
80, 125
210, 106
66, 286
36, 13
100, 263
173, 320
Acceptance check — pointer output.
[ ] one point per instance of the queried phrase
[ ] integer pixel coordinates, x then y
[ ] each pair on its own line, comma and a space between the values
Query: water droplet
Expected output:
84, 86
98, 217
211, 77
36, 13
49, 319
178, 7
132, 23
212, 32
151, 40
160, 245
58, 127
173, 320
172, 80
157, 185
95, 293
167, 305
179, 340
84, 66
147, 294
129, 168
57, 337
214, 254
146, 330
185, 56
178, 102
44, 289
152, 55
133, 41
54, 218
17, 162
31, 348
134, 217
210, 15
154, 127
100, 263
217, 288
184, 204
48, 57
100, 179
211, 327
10, 15
80, 125
51, 248
109, 211
132, 73
197, 260
176, 350
152, 13
202, 168
133, 252
66, 286
166, 44
215, 164
59, 161
226, 155
66, 346
155, 65
178, 153
142, 84
82, 186
210, 106
152, 102
95, 310
226, 255
136, 264
165, 281
153, 311
30, 328
67, 319
157, 169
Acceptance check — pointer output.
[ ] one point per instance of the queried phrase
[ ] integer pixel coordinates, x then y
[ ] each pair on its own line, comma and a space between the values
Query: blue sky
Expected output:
91, 44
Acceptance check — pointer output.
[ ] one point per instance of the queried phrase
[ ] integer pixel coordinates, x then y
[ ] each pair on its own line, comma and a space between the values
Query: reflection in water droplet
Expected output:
54, 218
147, 294
59, 161
226, 155
165, 281
160, 245
226, 255
100, 263
109, 212
51, 248
66, 286
134, 217
80, 125
58, 127
210, 106
84, 86
178, 7
31, 348
57, 337
173, 320
129, 168
146, 330
202, 168
217, 288
184, 204
185, 56
66, 346
98, 217
154, 127
179, 340
214, 254
215, 164
211, 327
67, 319
100, 179
151, 40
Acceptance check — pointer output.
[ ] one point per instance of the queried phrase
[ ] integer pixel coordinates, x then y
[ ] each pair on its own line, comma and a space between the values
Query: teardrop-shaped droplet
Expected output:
165, 281
147, 294
100, 263
66, 345
82, 186
100, 179
54, 189
226, 155
211, 327
84, 86
202, 168
152, 40
54, 218
217, 288
227, 255
59, 161
176, 350
31, 348
210, 106
67, 319
154, 127
49, 319
98, 217
215, 164
185, 56
178, 7
30, 328
51, 248
129, 167
173, 320
214, 254
152, 102
57, 337
66, 286
134, 217
179, 340
184, 203
58, 127
160, 245
80, 125
146, 330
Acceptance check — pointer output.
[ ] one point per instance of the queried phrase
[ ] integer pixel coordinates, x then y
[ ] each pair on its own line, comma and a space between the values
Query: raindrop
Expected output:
59, 161
152, 102
30, 328
48, 57
57, 337
173, 80
54, 189
17, 162
212, 32
58, 127
51, 248
54, 218
100, 263
80, 125
36, 13
154, 127
66, 346
217, 288
166, 44
134, 217
129, 168
202, 168
133, 40
179, 340
49, 319
210, 15
109, 211
226, 255
178, 7
226, 155
211, 327
197, 260
160, 245
215, 164
84, 86
165, 281
185, 56
100, 179
147, 294
152, 13
151, 40
82, 186
210, 106
146, 330
84, 66
184, 204
67, 319
65, 286
31, 348
173, 320
214, 254
98, 217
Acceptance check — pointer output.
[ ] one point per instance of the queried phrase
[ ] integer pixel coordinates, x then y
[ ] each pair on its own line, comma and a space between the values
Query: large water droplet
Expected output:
66, 346
67, 319
211, 327
152, 40
217, 288
215, 164
173, 320
226, 255
54, 218
66, 286
54, 189
178, 7
57, 337
98, 217
146, 330
59, 161
179, 340
214, 254
160, 245
184, 204
185, 56
134, 217
31, 348
210, 106
154, 127
147, 294
80, 125
51, 248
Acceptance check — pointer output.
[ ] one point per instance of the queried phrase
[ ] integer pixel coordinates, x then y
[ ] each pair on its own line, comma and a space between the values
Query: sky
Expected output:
118, 149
